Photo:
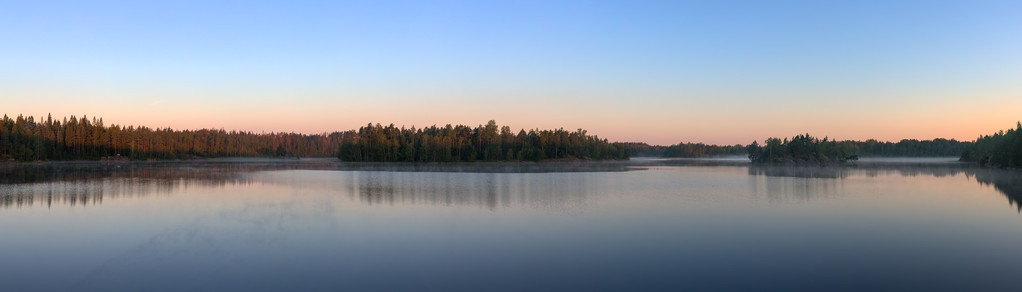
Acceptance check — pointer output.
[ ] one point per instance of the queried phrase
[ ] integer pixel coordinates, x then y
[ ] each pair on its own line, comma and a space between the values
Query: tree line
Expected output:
640, 149
805, 148
686, 150
906, 147
27, 139
799, 149
1002, 149
702, 150
463, 143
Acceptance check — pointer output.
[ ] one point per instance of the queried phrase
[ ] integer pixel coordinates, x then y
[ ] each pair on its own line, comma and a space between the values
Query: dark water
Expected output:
640, 225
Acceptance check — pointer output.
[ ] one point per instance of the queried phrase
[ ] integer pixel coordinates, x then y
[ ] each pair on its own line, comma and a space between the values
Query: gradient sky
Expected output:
654, 71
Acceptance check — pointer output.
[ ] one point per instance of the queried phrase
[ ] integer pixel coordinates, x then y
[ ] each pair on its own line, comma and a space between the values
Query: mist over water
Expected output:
666, 224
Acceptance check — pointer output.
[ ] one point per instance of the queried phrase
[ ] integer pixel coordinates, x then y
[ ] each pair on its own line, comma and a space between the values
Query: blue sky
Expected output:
655, 71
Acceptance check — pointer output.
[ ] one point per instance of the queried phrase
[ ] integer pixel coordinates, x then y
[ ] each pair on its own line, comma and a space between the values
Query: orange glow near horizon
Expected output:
653, 125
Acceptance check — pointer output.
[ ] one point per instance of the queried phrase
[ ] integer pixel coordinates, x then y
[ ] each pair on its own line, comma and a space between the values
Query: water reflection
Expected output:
486, 190
673, 226
488, 167
787, 187
489, 186
89, 184
87, 171
1008, 183
799, 171
866, 169
81, 171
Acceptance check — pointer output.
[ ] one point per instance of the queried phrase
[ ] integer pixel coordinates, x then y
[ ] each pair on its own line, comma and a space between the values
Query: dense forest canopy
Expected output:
639, 149
872, 147
687, 150
464, 143
1002, 149
805, 148
27, 139
800, 149
907, 147
702, 150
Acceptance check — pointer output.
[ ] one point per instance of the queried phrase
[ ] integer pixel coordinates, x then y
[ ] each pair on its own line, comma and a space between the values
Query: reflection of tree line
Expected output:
212, 169
484, 185
495, 167
1008, 183
81, 185
869, 170
493, 184
796, 171
486, 190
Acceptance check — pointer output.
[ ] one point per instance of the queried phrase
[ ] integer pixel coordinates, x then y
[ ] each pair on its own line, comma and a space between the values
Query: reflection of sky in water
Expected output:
666, 225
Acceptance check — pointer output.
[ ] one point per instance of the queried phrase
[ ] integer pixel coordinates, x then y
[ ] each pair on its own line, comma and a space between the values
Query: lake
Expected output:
645, 224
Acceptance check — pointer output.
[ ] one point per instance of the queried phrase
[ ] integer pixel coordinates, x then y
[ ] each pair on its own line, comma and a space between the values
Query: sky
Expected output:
662, 72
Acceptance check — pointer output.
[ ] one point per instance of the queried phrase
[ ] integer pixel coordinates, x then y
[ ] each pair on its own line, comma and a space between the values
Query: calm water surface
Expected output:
910, 224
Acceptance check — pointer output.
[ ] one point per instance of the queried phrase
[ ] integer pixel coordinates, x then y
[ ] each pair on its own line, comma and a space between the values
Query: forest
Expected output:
1002, 149
640, 149
27, 139
805, 148
684, 150
463, 143
801, 149
702, 150
906, 148
30, 139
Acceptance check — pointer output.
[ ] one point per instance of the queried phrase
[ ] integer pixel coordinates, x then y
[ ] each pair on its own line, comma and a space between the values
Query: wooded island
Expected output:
463, 143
